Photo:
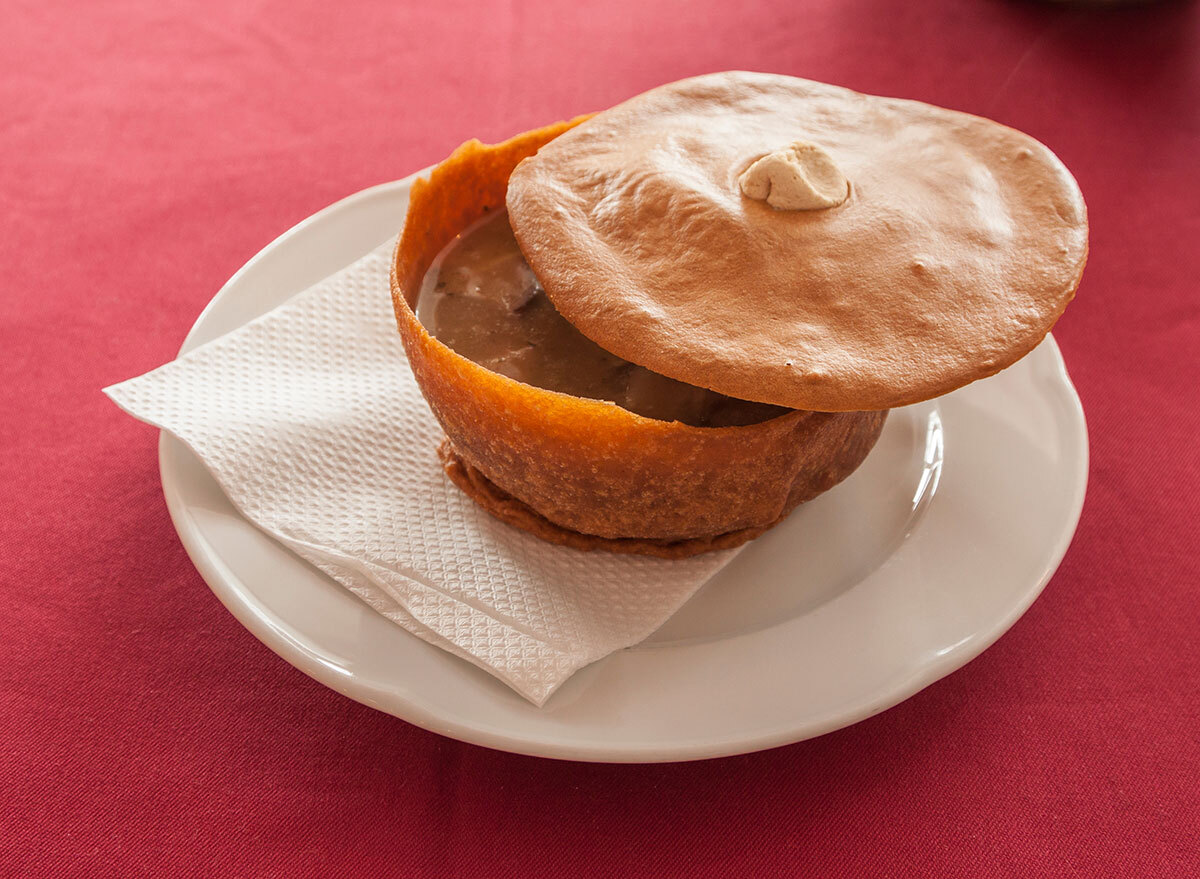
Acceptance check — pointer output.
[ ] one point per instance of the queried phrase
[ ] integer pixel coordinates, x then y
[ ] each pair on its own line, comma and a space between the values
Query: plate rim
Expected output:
239, 600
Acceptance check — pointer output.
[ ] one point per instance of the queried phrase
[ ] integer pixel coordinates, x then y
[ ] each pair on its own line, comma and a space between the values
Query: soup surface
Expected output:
481, 299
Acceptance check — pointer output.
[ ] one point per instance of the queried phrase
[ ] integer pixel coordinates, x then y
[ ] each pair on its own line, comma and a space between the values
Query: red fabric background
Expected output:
147, 149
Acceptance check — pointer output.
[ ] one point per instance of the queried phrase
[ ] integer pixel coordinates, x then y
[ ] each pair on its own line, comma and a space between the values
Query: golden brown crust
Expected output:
959, 247
589, 466
513, 512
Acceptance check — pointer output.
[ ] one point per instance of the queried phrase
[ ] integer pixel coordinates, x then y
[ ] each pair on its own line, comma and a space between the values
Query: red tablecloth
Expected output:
148, 149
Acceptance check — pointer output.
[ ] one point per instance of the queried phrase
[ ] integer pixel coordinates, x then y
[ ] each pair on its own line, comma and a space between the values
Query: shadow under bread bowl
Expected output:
588, 473
751, 237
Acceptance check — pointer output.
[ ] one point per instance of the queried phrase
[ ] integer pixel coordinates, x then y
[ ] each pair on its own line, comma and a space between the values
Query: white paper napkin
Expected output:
310, 420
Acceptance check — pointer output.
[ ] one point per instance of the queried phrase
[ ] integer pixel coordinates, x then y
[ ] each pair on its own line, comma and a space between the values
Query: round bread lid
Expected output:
791, 242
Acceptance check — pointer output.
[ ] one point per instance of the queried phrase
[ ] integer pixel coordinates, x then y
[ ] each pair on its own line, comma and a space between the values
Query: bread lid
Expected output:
796, 243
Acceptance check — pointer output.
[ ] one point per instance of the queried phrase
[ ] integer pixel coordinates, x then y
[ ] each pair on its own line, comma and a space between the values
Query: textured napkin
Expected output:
313, 425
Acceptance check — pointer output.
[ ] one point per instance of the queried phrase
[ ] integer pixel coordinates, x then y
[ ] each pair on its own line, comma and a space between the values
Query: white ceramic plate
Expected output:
897, 577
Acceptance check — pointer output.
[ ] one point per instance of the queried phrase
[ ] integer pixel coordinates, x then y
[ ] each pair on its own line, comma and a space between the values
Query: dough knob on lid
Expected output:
799, 177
